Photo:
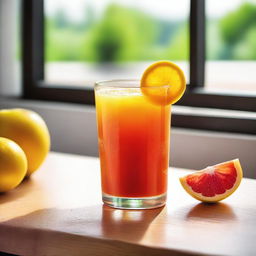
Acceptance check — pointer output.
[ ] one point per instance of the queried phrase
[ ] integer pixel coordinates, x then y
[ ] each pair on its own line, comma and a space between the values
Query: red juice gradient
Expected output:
133, 137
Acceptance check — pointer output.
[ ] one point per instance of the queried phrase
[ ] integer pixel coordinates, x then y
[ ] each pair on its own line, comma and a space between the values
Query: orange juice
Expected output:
133, 137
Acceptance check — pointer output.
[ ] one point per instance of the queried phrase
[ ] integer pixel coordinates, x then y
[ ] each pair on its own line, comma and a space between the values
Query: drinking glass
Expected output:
133, 138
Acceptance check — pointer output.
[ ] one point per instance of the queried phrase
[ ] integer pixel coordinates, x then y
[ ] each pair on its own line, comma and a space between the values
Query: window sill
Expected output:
209, 119
214, 119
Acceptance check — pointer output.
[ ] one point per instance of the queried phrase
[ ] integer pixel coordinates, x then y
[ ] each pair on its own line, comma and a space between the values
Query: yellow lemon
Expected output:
13, 164
29, 131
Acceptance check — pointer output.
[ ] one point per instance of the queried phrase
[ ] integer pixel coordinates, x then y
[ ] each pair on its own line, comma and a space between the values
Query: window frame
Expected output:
34, 86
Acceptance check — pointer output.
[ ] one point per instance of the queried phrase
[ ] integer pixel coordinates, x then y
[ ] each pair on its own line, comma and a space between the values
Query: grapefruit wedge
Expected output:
214, 183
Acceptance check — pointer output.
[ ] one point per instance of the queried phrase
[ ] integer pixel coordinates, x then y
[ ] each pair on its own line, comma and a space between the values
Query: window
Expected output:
231, 46
65, 53
98, 40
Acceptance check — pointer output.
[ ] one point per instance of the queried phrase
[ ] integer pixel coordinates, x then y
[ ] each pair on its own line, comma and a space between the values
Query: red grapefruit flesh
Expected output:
214, 183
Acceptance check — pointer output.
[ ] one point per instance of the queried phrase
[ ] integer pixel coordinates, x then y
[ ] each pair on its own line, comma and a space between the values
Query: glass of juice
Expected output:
133, 138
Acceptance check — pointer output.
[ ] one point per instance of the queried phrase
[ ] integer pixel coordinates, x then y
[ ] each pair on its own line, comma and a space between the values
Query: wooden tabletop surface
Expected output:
59, 212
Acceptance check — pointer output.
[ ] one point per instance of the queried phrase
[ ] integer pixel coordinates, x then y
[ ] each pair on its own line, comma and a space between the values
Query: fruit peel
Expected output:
29, 131
217, 197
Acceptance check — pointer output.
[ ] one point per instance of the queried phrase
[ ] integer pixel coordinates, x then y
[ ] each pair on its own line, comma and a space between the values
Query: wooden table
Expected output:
59, 212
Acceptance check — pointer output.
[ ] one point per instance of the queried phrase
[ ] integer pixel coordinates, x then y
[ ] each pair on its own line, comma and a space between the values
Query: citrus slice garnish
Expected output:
163, 82
214, 183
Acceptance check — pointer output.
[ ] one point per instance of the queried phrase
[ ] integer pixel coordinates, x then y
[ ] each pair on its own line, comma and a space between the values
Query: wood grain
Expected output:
59, 212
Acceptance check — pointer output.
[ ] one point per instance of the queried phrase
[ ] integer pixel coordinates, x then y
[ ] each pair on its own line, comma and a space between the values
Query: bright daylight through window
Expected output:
231, 45
87, 41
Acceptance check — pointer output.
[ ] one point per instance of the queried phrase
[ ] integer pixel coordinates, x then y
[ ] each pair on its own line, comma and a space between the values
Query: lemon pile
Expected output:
24, 145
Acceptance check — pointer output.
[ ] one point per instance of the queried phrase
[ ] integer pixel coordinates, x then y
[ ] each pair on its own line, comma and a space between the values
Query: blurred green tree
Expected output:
60, 19
118, 37
63, 39
246, 49
178, 48
121, 34
238, 30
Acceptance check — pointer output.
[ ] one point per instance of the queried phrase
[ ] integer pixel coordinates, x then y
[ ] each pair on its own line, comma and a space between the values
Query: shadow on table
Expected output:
128, 225
95, 221
212, 212
76, 231
18, 192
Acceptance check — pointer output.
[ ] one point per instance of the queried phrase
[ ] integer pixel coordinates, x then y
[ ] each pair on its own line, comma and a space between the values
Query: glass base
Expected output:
135, 203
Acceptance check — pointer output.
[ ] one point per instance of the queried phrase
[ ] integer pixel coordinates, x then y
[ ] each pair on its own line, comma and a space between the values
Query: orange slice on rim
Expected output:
163, 83
214, 183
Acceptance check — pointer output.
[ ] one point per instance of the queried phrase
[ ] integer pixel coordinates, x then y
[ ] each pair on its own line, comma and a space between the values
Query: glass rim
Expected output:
119, 83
